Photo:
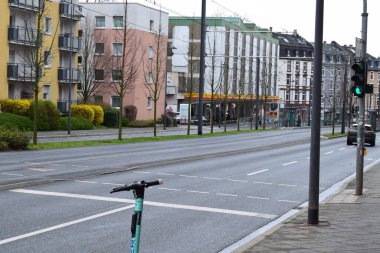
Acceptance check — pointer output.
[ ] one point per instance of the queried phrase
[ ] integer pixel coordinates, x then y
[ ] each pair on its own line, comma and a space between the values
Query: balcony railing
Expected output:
21, 72
65, 43
64, 75
23, 36
71, 11
63, 105
33, 5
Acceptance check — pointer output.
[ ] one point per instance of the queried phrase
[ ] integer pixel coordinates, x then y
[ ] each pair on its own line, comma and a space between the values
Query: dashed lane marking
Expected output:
197, 192
188, 176
164, 174
226, 194
214, 178
237, 180
342, 149
288, 185
327, 153
141, 172
86, 182
150, 203
257, 172
79, 166
32, 163
113, 184
262, 183
38, 169
289, 201
13, 174
286, 164
169, 189
252, 197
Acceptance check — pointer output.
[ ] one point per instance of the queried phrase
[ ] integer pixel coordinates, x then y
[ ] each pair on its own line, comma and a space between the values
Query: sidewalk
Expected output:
347, 223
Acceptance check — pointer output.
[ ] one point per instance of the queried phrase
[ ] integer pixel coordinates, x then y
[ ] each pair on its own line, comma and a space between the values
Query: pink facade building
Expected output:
143, 26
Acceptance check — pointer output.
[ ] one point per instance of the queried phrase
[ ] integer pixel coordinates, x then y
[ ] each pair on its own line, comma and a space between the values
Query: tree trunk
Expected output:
120, 134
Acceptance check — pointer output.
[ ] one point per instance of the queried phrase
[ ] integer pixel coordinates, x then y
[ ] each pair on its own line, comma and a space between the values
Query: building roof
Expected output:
292, 40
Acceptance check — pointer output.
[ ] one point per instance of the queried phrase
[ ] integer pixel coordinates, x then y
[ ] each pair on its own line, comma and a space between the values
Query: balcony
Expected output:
64, 75
70, 11
32, 5
21, 72
22, 36
65, 41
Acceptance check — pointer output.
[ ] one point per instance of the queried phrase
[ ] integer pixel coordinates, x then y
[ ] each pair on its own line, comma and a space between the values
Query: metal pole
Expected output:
70, 71
309, 119
257, 92
343, 130
360, 139
313, 209
165, 103
202, 68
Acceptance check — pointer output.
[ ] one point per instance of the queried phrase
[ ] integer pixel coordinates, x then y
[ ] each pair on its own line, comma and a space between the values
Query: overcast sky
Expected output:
342, 19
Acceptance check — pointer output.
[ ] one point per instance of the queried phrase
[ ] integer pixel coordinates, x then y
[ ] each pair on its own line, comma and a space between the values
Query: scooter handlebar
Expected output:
137, 185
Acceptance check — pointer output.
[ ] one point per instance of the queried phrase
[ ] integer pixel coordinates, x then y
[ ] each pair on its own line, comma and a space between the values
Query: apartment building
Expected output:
295, 72
239, 57
59, 42
143, 26
373, 78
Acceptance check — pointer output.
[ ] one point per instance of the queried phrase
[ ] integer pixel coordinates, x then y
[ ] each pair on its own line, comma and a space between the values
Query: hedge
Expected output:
111, 117
98, 114
16, 106
83, 111
141, 123
11, 121
76, 124
13, 139
47, 115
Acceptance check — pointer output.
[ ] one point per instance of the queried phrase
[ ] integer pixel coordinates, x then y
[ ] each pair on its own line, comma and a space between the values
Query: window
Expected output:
48, 25
149, 102
115, 101
151, 52
304, 96
116, 75
312, 67
331, 84
287, 96
372, 75
289, 66
304, 66
297, 66
117, 48
99, 74
118, 21
338, 72
288, 79
332, 71
150, 77
296, 96
378, 76
323, 71
288, 53
46, 92
100, 21
47, 59
297, 80
99, 48
151, 25
304, 82
79, 59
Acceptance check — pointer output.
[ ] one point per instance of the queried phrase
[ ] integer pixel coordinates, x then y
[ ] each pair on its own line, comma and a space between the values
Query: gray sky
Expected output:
342, 19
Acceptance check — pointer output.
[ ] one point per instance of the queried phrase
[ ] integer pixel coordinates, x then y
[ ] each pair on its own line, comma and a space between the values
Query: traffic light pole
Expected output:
360, 138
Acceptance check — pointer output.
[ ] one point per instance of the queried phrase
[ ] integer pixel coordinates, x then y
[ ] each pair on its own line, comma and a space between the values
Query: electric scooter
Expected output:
138, 192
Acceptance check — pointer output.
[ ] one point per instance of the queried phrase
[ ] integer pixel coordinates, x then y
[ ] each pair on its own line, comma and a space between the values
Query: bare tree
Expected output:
155, 71
40, 53
123, 65
90, 61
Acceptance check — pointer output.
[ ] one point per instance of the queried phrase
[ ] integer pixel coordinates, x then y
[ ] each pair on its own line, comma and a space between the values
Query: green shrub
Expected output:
141, 123
111, 118
16, 106
47, 115
3, 146
82, 111
124, 121
11, 121
98, 114
76, 124
15, 139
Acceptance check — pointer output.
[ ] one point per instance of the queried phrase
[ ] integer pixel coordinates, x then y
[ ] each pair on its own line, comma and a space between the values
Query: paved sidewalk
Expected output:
348, 223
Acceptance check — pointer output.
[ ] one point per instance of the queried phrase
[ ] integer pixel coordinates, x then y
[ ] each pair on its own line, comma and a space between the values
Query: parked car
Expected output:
369, 135
194, 120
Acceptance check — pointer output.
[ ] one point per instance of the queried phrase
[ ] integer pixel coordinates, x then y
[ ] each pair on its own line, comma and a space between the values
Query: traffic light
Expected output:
359, 79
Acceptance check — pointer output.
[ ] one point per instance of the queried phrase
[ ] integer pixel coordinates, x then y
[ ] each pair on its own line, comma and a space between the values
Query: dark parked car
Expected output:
194, 120
369, 135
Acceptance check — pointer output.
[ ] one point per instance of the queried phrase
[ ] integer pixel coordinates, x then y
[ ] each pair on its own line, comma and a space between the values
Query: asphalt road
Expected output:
215, 192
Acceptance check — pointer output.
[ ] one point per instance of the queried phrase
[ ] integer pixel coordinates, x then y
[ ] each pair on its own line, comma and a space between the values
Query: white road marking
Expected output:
252, 197
165, 174
38, 169
187, 176
41, 231
225, 194
32, 163
342, 149
261, 183
197, 192
150, 203
285, 164
213, 178
237, 180
330, 152
289, 201
169, 189
369, 159
87, 182
257, 172
12, 174
113, 184
79, 166
288, 185
141, 172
